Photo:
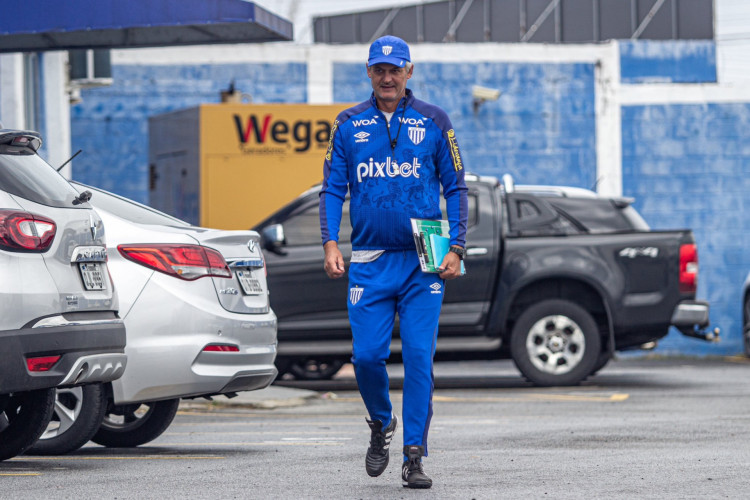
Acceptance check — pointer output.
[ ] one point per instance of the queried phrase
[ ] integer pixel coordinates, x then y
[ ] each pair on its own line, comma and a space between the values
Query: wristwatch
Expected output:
461, 252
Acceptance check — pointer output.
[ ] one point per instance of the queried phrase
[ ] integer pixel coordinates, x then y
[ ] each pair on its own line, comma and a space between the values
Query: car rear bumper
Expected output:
90, 350
166, 356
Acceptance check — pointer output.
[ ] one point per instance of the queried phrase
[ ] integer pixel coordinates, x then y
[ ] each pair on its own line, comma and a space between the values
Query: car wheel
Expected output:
315, 369
555, 342
76, 416
746, 327
23, 418
126, 426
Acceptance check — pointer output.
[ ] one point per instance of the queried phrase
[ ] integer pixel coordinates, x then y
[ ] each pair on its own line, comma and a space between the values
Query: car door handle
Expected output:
477, 251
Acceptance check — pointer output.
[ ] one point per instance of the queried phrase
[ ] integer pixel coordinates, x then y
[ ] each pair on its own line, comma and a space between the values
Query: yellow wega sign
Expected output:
257, 158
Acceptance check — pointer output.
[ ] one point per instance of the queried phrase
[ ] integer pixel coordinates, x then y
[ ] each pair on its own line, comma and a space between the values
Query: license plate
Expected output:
91, 272
250, 285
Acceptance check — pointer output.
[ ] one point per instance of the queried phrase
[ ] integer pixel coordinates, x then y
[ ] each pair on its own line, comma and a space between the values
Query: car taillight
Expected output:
688, 268
187, 262
25, 232
221, 348
42, 363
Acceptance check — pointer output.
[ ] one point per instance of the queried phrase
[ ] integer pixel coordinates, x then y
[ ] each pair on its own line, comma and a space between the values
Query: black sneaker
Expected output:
380, 440
412, 473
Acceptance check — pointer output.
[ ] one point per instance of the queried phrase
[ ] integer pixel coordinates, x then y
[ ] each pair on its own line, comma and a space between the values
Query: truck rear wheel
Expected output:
310, 368
555, 342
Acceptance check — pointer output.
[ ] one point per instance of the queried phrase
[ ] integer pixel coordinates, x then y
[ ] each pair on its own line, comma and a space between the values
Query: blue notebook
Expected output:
440, 246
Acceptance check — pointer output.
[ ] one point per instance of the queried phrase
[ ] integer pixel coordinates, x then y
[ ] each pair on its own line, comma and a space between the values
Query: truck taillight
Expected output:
688, 268
187, 262
25, 232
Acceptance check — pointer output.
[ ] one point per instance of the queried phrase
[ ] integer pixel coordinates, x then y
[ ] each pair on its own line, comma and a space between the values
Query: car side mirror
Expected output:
273, 239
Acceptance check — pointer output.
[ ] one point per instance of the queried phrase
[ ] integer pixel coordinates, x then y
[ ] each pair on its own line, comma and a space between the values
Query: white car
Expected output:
58, 309
198, 318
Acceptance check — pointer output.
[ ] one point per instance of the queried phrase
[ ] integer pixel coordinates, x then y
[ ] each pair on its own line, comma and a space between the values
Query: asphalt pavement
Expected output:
642, 428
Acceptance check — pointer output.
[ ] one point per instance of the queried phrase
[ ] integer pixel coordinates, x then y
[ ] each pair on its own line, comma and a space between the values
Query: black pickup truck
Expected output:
558, 279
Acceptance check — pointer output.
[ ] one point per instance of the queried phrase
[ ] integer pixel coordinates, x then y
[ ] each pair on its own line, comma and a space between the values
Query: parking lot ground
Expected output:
642, 428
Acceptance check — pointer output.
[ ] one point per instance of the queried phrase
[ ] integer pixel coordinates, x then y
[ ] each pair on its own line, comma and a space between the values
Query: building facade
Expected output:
645, 119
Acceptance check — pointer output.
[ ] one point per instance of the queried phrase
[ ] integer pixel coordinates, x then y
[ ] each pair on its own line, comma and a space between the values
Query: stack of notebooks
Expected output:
432, 238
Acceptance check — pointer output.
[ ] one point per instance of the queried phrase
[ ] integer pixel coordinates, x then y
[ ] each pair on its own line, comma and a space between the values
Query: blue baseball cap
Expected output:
389, 49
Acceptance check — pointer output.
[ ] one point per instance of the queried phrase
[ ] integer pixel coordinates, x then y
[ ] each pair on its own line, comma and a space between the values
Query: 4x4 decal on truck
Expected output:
633, 252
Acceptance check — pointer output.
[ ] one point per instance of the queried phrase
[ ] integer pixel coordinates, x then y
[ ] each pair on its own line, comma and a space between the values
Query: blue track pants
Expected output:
394, 284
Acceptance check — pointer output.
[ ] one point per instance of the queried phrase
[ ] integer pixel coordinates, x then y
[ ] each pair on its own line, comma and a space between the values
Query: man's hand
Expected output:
334, 261
451, 266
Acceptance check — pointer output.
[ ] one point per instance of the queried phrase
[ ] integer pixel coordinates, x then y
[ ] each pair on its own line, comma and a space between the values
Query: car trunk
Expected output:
77, 257
247, 290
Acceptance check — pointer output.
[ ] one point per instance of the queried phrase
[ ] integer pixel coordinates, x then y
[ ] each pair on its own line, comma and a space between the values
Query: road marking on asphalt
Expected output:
20, 474
251, 433
223, 414
263, 443
317, 439
321, 423
611, 398
145, 457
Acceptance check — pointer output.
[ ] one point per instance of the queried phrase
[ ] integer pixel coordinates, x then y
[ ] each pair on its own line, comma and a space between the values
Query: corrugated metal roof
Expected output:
39, 25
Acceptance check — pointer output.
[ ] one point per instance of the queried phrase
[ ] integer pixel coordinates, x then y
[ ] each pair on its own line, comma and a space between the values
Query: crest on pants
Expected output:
355, 294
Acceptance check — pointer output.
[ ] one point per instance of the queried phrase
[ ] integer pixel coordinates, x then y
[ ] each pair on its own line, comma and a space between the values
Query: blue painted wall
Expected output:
684, 61
111, 124
542, 127
685, 165
688, 166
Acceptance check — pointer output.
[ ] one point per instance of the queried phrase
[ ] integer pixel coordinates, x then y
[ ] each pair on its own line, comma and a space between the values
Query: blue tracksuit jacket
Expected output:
389, 185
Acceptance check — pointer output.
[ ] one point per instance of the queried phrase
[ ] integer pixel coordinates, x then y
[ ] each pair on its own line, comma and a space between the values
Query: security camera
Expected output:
484, 93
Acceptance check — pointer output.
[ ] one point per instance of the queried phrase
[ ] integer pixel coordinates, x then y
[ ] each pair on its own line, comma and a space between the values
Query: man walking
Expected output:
392, 153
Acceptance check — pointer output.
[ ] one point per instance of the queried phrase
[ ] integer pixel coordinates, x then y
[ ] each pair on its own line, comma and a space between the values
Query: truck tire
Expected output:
127, 426
602, 361
315, 369
23, 418
555, 342
76, 416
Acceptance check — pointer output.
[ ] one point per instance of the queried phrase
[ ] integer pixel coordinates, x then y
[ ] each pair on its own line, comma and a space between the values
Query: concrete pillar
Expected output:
11, 91
608, 122
56, 109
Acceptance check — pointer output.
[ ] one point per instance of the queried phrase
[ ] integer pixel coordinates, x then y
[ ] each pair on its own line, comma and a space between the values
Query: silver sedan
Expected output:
198, 318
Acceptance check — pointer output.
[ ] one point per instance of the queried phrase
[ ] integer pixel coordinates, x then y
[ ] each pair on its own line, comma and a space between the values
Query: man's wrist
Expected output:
458, 250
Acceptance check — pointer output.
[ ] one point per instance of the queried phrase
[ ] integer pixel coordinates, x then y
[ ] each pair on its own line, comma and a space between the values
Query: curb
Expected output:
270, 398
